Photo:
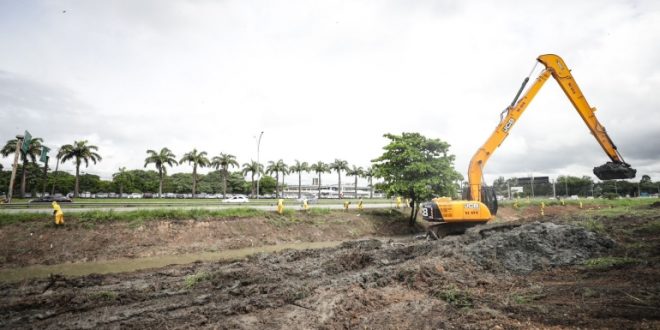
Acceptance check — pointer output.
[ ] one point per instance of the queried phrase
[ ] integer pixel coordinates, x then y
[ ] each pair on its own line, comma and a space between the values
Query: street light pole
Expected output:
258, 163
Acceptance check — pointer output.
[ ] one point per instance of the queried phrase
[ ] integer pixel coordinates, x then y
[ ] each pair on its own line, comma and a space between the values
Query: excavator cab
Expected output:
488, 197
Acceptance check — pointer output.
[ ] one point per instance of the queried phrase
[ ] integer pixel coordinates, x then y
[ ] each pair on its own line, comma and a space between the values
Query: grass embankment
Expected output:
91, 217
94, 216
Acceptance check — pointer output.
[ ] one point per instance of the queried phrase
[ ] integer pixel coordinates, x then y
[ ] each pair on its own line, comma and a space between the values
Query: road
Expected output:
128, 207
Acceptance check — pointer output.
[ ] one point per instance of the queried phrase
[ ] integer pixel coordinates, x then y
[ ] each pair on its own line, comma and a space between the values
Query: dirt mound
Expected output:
534, 246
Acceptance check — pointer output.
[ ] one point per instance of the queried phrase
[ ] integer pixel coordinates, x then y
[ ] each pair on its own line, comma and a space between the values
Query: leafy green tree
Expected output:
79, 151
357, 172
63, 181
299, 167
320, 168
416, 167
267, 184
160, 160
277, 168
224, 161
34, 150
197, 159
252, 168
339, 165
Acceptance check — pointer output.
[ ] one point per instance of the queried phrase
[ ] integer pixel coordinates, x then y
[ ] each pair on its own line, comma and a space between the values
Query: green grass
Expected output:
455, 297
192, 280
610, 262
104, 295
136, 216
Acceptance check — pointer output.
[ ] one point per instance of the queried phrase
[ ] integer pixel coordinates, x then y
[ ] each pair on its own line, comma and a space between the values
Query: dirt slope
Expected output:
482, 280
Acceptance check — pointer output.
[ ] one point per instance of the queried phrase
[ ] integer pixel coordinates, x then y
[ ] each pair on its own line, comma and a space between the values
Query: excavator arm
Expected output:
555, 67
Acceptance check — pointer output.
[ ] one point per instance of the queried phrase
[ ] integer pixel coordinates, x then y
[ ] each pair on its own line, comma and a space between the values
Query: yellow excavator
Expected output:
480, 205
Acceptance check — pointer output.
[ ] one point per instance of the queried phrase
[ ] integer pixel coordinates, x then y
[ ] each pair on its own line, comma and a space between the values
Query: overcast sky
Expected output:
326, 79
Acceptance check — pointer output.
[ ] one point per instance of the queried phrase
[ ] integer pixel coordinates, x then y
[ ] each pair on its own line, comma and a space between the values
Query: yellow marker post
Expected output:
346, 204
304, 205
398, 202
360, 207
280, 206
542, 208
580, 204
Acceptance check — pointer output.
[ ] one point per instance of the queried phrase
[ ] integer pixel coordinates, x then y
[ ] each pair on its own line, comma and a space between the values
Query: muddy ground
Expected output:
565, 270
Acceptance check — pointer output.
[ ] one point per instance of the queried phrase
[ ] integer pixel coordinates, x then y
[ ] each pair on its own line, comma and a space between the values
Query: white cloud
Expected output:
326, 80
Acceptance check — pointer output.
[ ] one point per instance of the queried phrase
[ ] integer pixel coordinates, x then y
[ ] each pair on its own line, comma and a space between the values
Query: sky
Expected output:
324, 80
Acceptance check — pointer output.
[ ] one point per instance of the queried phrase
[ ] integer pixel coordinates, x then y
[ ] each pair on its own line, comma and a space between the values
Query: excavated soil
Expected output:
553, 273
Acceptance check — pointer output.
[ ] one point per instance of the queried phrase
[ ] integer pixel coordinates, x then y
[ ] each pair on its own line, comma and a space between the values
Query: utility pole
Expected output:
532, 185
57, 165
10, 192
259, 164
554, 190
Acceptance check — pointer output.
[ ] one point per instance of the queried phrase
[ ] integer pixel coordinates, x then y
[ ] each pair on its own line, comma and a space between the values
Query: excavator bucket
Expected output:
614, 170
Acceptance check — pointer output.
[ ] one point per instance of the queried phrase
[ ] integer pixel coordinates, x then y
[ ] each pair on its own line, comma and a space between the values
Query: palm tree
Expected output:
160, 159
320, 168
122, 178
80, 151
277, 168
299, 168
34, 150
252, 168
57, 166
196, 159
224, 161
369, 173
356, 172
339, 165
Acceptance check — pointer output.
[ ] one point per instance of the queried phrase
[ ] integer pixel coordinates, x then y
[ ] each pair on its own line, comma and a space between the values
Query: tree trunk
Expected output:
194, 180
24, 177
77, 187
339, 185
319, 185
299, 183
277, 184
253, 187
160, 185
413, 213
224, 183
356, 177
371, 188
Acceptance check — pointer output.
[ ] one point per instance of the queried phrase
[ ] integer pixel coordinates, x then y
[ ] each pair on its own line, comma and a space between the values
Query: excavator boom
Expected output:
482, 204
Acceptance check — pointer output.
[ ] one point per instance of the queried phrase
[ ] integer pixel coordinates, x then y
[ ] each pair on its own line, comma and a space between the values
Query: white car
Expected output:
236, 199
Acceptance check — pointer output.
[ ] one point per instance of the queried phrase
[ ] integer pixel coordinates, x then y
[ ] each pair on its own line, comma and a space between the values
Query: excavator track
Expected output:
438, 231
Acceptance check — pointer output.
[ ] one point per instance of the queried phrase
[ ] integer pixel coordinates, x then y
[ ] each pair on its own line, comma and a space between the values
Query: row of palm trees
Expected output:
83, 152
80, 152
222, 162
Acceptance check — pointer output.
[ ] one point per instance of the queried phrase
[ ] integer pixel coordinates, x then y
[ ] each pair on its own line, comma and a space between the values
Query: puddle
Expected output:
129, 265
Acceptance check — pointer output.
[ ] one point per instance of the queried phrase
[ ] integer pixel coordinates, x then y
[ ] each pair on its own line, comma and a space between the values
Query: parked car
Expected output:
50, 199
236, 199
310, 199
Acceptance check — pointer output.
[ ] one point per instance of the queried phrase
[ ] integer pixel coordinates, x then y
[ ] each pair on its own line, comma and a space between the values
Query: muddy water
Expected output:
129, 265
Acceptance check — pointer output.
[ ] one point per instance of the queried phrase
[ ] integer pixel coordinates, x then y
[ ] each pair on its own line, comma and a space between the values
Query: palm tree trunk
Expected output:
277, 184
194, 180
356, 177
76, 188
299, 183
23, 179
339, 185
224, 183
160, 185
371, 188
253, 187
319, 185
